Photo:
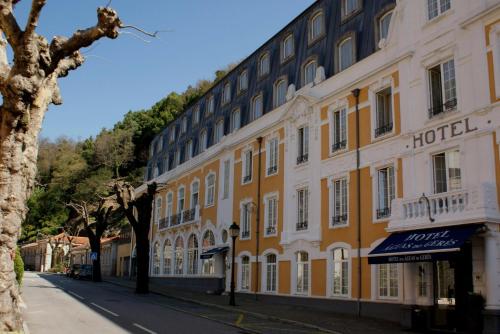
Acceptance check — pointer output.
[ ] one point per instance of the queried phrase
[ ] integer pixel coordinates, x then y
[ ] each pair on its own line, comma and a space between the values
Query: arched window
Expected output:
226, 93
193, 255
257, 107
383, 25
156, 259
167, 257
203, 141
245, 273
208, 243
280, 88
316, 26
264, 64
340, 272
309, 72
302, 272
179, 256
346, 53
271, 273
235, 119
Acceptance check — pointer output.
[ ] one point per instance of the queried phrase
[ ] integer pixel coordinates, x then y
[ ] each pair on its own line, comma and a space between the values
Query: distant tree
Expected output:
114, 149
19, 267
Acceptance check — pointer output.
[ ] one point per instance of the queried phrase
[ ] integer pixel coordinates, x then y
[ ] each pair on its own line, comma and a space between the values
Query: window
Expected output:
316, 26
388, 280
340, 272
246, 212
287, 48
193, 255
210, 105
156, 259
442, 88
219, 131
444, 293
302, 272
383, 25
271, 273
385, 191
264, 64
349, 7
179, 256
247, 166
423, 279
437, 7
271, 215
302, 208
203, 140
226, 93
195, 194
309, 72
339, 129
243, 81
157, 210
196, 115
280, 89
170, 207
167, 258
235, 119
340, 213
180, 204
346, 53
272, 156
208, 243
172, 133
184, 125
383, 117
189, 150
177, 157
245, 273
447, 174
226, 179
257, 107
210, 193
303, 145
159, 144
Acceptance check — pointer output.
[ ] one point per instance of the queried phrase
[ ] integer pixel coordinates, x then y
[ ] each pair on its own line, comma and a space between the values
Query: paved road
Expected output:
56, 304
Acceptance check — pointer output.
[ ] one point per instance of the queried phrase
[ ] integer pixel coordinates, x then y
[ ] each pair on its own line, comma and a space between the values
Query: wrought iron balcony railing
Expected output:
302, 225
302, 158
382, 130
339, 220
340, 145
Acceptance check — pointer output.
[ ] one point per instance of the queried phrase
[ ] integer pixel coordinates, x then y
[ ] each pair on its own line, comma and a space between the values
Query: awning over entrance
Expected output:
209, 253
422, 245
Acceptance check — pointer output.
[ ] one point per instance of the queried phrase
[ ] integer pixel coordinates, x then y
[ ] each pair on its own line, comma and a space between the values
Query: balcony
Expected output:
247, 178
339, 220
383, 213
340, 145
382, 130
476, 204
302, 226
302, 158
271, 230
440, 108
272, 170
245, 234
182, 218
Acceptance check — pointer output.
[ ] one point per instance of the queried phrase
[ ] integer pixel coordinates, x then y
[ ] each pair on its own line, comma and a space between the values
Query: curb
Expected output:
225, 308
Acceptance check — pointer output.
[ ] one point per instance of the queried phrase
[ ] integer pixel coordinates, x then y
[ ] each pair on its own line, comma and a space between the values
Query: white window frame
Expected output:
346, 14
189, 150
219, 131
461, 164
378, 280
379, 25
296, 289
169, 209
260, 65
192, 192
284, 55
303, 141
226, 93
333, 111
210, 107
172, 133
305, 80
244, 166
203, 141
373, 90
208, 265
265, 274
158, 204
332, 207
176, 256
304, 217
352, 53
375, 183
266, 200
349, 270
440, 12
167, 244
246, 207
155, 261
277, 101
193, 256
177, 157
270, 143
235, 125
443, 89
226, 170
184, 124
313, 35
180, 213
243, 75
258, 97
196, 114
208, 190
495, 49
248, 271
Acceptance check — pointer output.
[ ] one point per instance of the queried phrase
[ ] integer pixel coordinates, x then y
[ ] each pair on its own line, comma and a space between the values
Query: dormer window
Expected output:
309, 72
243, 81
437, 7
196, 115
316, 26
383, 25
235, 119
346, 53
172, 134
189, 150
184, 124
226, 93
287, 48
210, 105
257, 107
203, 140
219, 131
350, 7
264, 64
280, 88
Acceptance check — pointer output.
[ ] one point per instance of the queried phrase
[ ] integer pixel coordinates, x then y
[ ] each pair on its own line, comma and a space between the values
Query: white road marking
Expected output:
105, 309
76, 295
144, 328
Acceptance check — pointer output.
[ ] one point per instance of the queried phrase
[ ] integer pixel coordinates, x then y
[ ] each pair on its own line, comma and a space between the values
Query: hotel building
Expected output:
358, 152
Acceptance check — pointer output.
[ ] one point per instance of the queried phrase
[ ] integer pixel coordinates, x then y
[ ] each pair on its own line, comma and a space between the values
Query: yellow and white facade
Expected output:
344, 163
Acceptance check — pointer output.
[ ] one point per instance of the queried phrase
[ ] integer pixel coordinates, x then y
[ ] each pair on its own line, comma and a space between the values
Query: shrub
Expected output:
19, 267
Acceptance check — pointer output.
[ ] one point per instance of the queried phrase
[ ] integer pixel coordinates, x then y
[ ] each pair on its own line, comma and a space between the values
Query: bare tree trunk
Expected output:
142, 247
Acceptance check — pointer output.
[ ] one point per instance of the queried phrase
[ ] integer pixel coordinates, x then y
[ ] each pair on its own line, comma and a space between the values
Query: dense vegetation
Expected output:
71, 171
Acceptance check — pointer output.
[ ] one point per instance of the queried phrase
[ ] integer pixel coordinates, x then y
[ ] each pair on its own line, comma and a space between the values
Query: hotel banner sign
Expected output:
422, 245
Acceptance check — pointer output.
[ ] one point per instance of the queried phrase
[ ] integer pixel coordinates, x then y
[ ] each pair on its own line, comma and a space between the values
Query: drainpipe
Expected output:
257, 232
355, 93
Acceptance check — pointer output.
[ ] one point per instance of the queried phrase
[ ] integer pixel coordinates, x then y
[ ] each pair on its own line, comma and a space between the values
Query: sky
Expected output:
126, 74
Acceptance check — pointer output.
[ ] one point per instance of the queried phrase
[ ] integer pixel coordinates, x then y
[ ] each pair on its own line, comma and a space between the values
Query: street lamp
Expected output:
234, 231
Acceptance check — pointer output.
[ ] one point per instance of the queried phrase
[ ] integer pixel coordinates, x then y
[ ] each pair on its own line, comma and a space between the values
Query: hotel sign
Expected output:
443, 132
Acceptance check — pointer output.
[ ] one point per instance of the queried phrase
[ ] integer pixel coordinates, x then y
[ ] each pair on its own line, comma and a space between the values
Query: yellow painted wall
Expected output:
284, 268
497, 165
318, 277
122, 252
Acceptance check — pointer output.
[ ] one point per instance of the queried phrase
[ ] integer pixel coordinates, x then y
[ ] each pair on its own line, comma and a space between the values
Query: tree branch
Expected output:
9, 24
34, 16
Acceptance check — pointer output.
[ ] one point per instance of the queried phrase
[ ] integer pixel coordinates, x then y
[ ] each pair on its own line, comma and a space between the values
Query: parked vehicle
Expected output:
85, 272
71, 271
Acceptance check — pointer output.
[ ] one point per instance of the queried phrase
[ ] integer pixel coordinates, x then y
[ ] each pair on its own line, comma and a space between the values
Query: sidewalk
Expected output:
275, 310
